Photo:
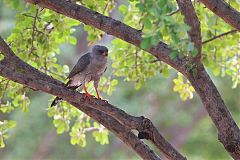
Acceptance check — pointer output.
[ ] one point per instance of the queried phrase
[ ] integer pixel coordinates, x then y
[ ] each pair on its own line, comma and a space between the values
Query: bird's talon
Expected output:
103, 101
87, 98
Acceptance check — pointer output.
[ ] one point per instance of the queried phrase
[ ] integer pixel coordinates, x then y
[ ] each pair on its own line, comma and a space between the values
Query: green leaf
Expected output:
140, 6
65, 69
147, 23
2, 144
194, 52
114, 82
72, 40
123, 9
145, 43
11, 124
190, 47
173, 55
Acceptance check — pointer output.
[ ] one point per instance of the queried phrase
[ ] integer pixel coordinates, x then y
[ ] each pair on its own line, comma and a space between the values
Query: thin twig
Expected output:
105, 8
33, 32
90, 129
219, 36
174, 12
27, 15
136, 62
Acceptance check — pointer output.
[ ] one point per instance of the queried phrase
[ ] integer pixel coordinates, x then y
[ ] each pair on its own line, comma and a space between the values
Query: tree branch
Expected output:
228, 131
224, 11
114, 119
191, 19
219, 36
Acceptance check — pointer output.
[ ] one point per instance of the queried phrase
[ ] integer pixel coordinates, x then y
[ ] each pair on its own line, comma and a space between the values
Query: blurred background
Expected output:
185, 124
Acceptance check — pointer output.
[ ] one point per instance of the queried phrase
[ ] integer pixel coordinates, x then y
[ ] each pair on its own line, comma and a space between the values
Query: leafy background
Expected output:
135, 81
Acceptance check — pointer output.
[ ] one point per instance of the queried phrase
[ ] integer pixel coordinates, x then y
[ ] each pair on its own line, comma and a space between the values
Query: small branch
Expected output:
30, 16
105, 7
219, 36
191, 19
90, 129
136, 62
33, 32
174, 12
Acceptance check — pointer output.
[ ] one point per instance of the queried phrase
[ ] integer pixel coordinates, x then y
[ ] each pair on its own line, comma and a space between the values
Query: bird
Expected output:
90, 67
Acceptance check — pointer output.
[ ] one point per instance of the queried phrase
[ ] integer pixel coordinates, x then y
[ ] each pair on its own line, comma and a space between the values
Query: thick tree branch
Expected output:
228, 131
224, 11
116, 120
191, 19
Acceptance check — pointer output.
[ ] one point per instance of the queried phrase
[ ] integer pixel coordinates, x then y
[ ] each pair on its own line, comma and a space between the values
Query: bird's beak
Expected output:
105, 53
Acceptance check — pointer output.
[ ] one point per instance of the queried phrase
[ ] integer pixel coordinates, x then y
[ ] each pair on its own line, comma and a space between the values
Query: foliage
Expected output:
183, 88
4, 127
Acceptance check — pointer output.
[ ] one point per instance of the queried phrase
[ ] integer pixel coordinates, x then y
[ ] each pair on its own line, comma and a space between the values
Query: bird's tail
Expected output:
58, 99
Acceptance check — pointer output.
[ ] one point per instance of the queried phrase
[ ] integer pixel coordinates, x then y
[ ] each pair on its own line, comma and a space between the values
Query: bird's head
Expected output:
100, 50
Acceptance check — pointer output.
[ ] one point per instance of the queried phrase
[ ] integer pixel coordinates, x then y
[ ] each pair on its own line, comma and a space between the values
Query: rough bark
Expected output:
224, 11
228, 131
191, 19
114, 119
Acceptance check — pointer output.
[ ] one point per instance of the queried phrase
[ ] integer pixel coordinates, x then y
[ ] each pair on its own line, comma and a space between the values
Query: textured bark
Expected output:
227, 129
191, 19
224, 11
114, 119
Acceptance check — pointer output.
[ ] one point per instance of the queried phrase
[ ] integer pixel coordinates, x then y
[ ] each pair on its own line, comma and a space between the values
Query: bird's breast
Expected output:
98, 67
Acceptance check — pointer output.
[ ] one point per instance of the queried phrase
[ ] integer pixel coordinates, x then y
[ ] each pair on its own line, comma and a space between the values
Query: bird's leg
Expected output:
98, 97
105, 101
87, 95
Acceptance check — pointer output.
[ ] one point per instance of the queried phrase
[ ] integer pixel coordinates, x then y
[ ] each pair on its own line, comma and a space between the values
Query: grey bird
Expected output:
90, 67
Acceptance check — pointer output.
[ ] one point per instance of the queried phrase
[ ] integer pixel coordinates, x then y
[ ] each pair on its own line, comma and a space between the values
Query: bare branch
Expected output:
219, 36
224, 11
191, 19
174, 12
34, 28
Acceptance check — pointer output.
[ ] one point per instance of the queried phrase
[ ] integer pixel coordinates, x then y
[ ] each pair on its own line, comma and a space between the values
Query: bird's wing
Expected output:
82, 63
